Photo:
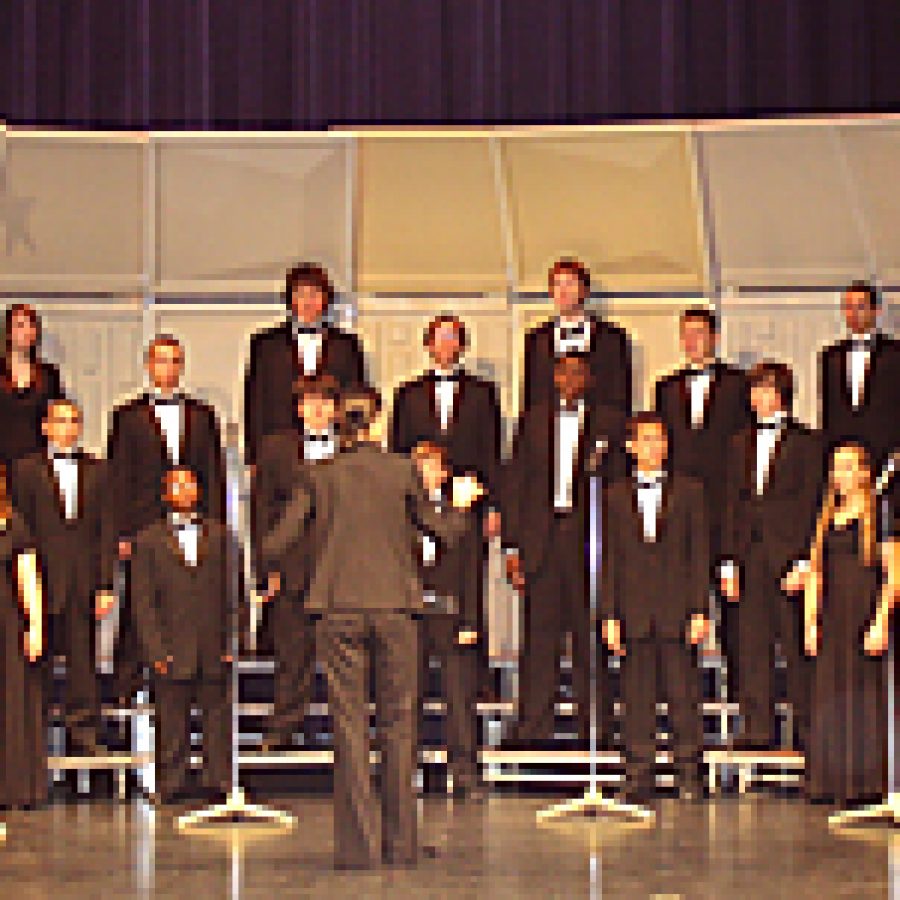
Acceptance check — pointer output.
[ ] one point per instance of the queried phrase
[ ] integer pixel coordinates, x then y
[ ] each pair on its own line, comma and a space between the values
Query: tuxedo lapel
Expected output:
51, 485
666, 508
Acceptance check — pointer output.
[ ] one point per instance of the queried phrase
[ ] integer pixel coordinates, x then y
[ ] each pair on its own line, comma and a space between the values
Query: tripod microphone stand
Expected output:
235, 809
888, 811
593, 802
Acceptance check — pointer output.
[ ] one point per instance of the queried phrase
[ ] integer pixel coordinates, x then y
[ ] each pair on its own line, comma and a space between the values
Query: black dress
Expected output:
23, 747
848, 746
21, 411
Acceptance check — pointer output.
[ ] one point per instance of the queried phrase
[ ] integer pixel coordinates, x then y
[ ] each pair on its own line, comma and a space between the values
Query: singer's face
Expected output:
445, 347
847, 470
165, 365
765, 400
317, 412
859, 314
308, 303
567, 292
649, 447
697, 340
22, 332
62, 426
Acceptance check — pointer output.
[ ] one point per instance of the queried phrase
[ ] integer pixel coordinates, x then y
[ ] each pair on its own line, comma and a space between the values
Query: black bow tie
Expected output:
66, 454
307, 330
567, 332
769, 426
184, 524
568, 409
320, 438
648, 483
174, 400
861, 343
445, 377
708, 371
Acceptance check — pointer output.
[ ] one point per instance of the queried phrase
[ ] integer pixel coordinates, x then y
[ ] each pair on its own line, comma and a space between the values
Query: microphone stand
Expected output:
593, 802
888, 811
235, 809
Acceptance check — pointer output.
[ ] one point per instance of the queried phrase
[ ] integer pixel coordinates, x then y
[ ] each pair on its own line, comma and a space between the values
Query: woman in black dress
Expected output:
847, 604
23, 749
26, 384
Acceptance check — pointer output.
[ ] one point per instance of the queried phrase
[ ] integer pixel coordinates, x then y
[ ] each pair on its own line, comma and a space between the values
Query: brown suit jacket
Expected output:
653, 587
272, 370
139, 459
77, 556
181, 610
369, 505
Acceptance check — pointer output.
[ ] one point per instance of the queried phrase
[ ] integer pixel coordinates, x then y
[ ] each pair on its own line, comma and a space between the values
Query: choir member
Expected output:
847, 592
450, 631
773, 477
655, 593
27, 383
454, 409
62, 493
573, 330
23, 745
367, 589
180, 589
282, 459
301, 345
545, 513
161, 428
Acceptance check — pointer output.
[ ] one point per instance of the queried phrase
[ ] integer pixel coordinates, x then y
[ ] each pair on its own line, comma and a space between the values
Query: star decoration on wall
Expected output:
14, 213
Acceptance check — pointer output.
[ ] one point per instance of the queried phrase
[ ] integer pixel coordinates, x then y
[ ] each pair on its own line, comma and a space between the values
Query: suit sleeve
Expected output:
253, 401
21, 494
397, 433
289, 526
263, 510
118, 464
825, 412
608, 606
511, 475
530, 388
105, 526
492, 438
215, 468
733, 482
698, 556
144, 605
356, 373
620, 389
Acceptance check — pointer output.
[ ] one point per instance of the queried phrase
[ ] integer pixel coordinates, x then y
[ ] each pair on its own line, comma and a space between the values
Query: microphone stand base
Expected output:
235, 810
886, 813
595, 803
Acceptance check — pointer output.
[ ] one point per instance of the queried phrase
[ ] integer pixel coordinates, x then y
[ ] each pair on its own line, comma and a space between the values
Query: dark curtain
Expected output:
320, 63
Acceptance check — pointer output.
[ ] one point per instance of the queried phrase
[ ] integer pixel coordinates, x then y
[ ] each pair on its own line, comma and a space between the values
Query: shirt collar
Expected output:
451, 374
159, 398
774, 422
179, 520
650, 479
863, 341
55, 452
574, 409
306, 328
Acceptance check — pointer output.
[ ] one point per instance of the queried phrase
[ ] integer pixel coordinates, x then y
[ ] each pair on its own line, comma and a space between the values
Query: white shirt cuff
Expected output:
728, 569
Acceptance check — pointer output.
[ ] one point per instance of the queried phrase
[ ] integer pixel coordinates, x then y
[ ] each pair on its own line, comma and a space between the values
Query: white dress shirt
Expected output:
649, 489
446, 386
572, 335
309, 346
65, 469
319, 445
699, 381
187, 530
569, 425
859, 356
169, 412
768, 433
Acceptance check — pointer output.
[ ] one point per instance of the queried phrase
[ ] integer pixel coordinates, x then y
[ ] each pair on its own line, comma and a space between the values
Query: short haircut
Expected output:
163, 340
308, 273
776, 374
61, 401
323, 385
701, 314
648, 417
425, 449
446, 319
575, 267
860, 286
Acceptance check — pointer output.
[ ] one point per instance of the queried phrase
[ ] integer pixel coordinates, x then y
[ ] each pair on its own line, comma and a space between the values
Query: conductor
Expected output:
367, 506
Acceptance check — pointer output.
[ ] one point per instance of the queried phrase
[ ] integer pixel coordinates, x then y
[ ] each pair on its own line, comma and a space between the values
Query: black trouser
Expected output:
556, 601
71, 633
366, 831
655, 669
765, 615
459, 679
174, 699
294, 639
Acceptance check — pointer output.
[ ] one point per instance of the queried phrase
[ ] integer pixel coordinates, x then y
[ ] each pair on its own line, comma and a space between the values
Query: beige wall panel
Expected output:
234, 214
97, 346
73, 210
782, 213
429, 218
625, 203
873, 156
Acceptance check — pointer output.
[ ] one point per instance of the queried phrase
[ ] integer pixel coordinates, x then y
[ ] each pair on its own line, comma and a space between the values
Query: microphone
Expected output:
594, 460
888, 470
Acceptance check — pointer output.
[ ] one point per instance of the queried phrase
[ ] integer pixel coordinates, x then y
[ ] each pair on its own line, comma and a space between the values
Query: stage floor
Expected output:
754, 847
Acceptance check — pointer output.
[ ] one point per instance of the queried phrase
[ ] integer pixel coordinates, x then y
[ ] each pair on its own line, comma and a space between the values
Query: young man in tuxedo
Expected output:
369, 506
301, 345
859, 387
180, 589
450, 631
62, 493
163, 427
656, 572
546, 513
282, 459
606, 347
774, 475
460, 412
703, 404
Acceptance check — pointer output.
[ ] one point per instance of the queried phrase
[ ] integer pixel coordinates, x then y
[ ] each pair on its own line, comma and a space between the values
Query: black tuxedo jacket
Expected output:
780, 523
273, 368
610, 364
181, 610
472, 439
77, 555
653, 587
698, 452
877, 422
529, 477
139, 459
